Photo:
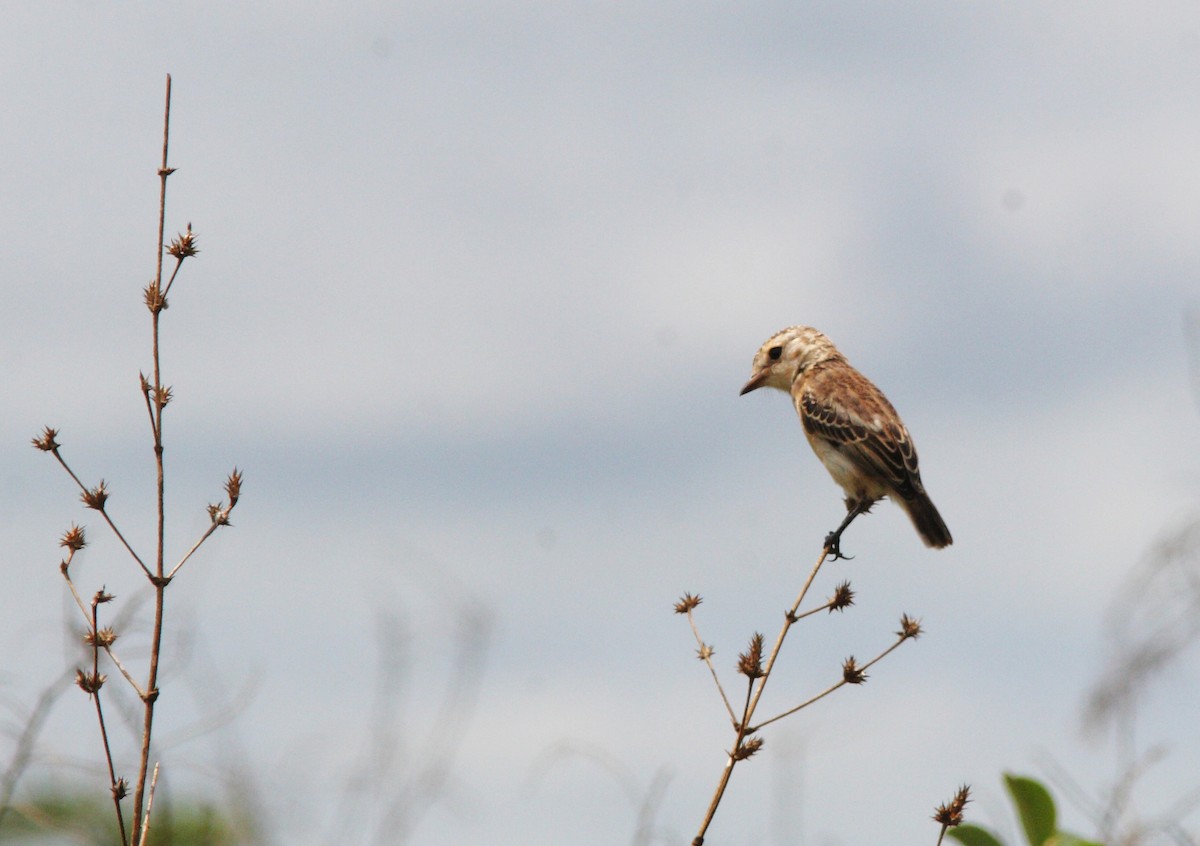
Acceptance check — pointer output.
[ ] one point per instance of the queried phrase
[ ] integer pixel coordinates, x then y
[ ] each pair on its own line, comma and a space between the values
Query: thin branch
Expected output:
103, 513
116, 786
705, 653
149, 807
752, 702
207, 533
832, 687
159, 583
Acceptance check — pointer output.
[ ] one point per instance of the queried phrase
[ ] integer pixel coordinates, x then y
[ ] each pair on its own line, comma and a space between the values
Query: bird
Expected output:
851, 426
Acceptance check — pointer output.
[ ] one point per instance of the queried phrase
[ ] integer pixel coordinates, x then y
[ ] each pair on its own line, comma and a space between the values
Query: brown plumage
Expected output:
850, 425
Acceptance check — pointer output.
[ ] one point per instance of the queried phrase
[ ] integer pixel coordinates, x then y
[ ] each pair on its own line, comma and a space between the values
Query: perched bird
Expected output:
851, 427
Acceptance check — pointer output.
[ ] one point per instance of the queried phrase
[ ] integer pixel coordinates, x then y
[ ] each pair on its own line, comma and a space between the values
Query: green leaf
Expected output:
1034, 807
973, 835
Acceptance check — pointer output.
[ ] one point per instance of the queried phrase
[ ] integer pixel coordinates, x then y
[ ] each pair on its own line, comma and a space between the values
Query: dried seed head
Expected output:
73, 538
184, 245
233, 486
909, 628
705, 652
162, 395
154, 298
687, 603
852, 673
145, 383
90, 683
96, 497
219, 514
750, 662
46, 440
748, 748
843, 597
103, 638
120, 790
951, 814
102, 596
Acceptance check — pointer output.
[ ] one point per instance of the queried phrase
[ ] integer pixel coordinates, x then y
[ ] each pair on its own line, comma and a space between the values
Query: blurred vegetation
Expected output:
1036, 812
81, 816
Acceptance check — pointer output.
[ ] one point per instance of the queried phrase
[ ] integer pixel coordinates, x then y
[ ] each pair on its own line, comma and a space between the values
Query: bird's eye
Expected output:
775, 352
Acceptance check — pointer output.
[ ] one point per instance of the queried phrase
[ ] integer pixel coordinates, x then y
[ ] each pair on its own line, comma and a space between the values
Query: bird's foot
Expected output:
833, 547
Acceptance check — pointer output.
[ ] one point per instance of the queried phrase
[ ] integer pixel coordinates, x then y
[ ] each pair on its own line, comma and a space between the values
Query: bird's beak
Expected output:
756, 381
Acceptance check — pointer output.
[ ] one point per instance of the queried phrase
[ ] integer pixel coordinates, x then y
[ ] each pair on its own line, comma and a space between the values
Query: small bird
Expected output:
851, 427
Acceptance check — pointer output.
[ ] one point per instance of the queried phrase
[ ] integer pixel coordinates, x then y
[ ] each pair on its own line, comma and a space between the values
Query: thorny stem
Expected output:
112, 773
151, 691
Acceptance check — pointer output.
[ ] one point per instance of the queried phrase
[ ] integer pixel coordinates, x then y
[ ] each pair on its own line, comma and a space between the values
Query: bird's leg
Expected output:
833, 540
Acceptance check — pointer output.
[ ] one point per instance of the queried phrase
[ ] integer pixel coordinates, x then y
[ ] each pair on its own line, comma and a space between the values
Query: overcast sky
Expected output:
479, 285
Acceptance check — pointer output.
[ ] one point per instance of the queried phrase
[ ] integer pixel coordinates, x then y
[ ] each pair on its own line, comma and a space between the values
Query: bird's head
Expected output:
785, 355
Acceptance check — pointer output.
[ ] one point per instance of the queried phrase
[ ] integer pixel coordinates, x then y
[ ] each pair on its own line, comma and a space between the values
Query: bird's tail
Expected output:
928, 522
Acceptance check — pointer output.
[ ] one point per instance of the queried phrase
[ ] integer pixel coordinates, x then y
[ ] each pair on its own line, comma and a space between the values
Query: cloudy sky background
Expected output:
479, 286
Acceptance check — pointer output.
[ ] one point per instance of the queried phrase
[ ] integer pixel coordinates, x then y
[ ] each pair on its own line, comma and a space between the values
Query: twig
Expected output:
149, 806
752, 703
156, 306
92, 684
156, 396
704, 652
95, 495
751, 665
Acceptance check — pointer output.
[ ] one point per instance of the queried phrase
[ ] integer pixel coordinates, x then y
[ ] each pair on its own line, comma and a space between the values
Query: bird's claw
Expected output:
833, 547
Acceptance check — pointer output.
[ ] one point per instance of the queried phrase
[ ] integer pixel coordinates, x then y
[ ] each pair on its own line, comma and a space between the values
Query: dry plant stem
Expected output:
752, 701
112, 773
87, 616
149, 807
103, 513
706, 656
831, 688
160, 584
207, 533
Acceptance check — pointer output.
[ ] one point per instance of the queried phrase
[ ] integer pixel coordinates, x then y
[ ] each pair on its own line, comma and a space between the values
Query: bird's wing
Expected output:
841, 406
